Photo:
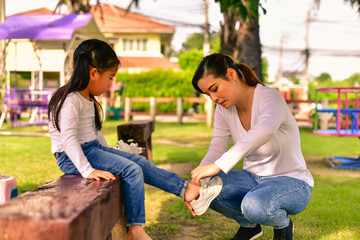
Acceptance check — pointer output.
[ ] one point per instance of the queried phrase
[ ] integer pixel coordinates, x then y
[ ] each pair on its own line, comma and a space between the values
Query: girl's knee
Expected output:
135, 169
130, 170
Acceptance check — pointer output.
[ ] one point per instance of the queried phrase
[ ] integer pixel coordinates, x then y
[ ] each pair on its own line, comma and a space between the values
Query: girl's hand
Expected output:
98, 174
203, 171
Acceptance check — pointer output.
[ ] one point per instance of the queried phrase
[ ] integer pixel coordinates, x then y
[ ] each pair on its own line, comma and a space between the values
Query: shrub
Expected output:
158, 83
190, 60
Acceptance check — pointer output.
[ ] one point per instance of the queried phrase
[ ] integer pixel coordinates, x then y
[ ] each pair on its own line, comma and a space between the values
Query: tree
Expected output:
353, 80
83, 6
190, 59
239, 34
240, 30
323, 78
195, 41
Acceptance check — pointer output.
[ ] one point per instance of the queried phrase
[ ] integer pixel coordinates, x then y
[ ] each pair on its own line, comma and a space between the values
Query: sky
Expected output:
334, 26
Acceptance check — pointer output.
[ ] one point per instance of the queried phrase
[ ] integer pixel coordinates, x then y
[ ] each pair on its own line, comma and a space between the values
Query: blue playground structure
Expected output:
343, 112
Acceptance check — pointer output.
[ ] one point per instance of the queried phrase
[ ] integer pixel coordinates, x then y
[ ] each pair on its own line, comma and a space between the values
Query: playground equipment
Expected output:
38, 44
35, 102
344, 111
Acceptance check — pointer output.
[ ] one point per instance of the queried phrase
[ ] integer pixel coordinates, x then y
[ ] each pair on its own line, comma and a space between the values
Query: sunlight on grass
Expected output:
333, 213
342, 234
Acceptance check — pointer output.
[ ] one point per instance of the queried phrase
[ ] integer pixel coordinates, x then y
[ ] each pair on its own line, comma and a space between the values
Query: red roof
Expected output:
147, 62
116, 19
38, 11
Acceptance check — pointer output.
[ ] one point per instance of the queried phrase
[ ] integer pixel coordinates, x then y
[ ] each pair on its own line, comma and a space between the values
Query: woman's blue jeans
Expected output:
250, 199
134, 171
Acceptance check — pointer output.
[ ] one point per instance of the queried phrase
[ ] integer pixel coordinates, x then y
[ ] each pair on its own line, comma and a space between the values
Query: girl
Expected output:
80, 147
274, 181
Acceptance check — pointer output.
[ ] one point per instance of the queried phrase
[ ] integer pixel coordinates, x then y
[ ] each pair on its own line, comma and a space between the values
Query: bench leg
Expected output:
119, 230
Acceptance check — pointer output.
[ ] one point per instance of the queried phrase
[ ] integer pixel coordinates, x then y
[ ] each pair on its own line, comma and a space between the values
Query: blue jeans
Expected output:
250, 199
134, 171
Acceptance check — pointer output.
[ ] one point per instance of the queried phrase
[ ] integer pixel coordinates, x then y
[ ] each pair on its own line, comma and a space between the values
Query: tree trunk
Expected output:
241, 40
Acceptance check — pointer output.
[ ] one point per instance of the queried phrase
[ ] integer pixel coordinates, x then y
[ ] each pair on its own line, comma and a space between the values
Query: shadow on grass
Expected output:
332, 214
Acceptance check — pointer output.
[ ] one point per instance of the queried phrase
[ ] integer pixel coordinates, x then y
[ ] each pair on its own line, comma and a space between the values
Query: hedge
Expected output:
158, 83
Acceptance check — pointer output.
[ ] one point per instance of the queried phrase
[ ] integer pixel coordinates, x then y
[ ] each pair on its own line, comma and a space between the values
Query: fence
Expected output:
209, 107
301, 109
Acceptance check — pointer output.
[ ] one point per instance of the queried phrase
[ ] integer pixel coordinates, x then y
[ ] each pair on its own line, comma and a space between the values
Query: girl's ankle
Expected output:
191, 192
137, 232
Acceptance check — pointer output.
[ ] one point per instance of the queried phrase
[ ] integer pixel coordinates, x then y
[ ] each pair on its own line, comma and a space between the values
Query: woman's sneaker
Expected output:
247, 233
208, 192
286, 233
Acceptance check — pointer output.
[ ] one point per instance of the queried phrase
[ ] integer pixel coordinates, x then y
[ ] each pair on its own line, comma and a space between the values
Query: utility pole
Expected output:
281, 50
305, 81
206, 41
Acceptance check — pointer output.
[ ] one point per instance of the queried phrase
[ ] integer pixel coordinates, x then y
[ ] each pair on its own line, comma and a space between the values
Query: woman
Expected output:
274, 182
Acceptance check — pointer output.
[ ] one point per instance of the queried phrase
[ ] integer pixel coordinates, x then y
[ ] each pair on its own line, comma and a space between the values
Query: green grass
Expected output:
318, 145
333, 213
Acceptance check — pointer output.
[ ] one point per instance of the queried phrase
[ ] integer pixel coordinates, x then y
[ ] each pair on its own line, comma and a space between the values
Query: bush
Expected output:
158, 83
190, 60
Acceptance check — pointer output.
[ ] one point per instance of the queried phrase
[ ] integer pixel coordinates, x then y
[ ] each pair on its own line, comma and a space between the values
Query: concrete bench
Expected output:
68, 208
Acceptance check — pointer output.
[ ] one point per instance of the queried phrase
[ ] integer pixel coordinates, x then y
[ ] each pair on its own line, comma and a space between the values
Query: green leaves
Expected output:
246, 8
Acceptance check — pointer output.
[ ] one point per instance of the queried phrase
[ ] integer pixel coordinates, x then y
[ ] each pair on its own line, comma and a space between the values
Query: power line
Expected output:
318, 51
178, 23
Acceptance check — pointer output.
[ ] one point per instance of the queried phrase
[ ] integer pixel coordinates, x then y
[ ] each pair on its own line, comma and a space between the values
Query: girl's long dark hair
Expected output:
217, 64
90, 53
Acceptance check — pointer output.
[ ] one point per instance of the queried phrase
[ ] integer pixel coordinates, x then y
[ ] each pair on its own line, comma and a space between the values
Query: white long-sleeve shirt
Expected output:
77, 125
270, 148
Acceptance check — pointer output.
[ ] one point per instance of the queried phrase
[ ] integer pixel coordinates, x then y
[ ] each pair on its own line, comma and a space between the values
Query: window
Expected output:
131, 44
138, 44
144, 44
124, 44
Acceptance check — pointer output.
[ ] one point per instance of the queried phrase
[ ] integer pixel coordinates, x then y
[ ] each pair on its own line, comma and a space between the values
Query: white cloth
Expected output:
77, 126
270, 148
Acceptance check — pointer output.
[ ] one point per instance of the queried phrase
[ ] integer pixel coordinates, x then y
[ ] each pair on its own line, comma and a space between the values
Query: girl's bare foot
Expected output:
137, 233
192, 192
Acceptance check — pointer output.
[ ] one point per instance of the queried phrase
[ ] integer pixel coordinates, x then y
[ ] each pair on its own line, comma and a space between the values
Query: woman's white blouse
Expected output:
270, 148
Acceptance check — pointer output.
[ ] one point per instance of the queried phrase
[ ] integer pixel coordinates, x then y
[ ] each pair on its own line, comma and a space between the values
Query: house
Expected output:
40, 44
140, 42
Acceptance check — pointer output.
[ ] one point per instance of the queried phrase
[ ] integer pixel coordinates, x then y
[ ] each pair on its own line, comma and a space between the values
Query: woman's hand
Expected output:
190, 208
203, 171
192, 192
98, 174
